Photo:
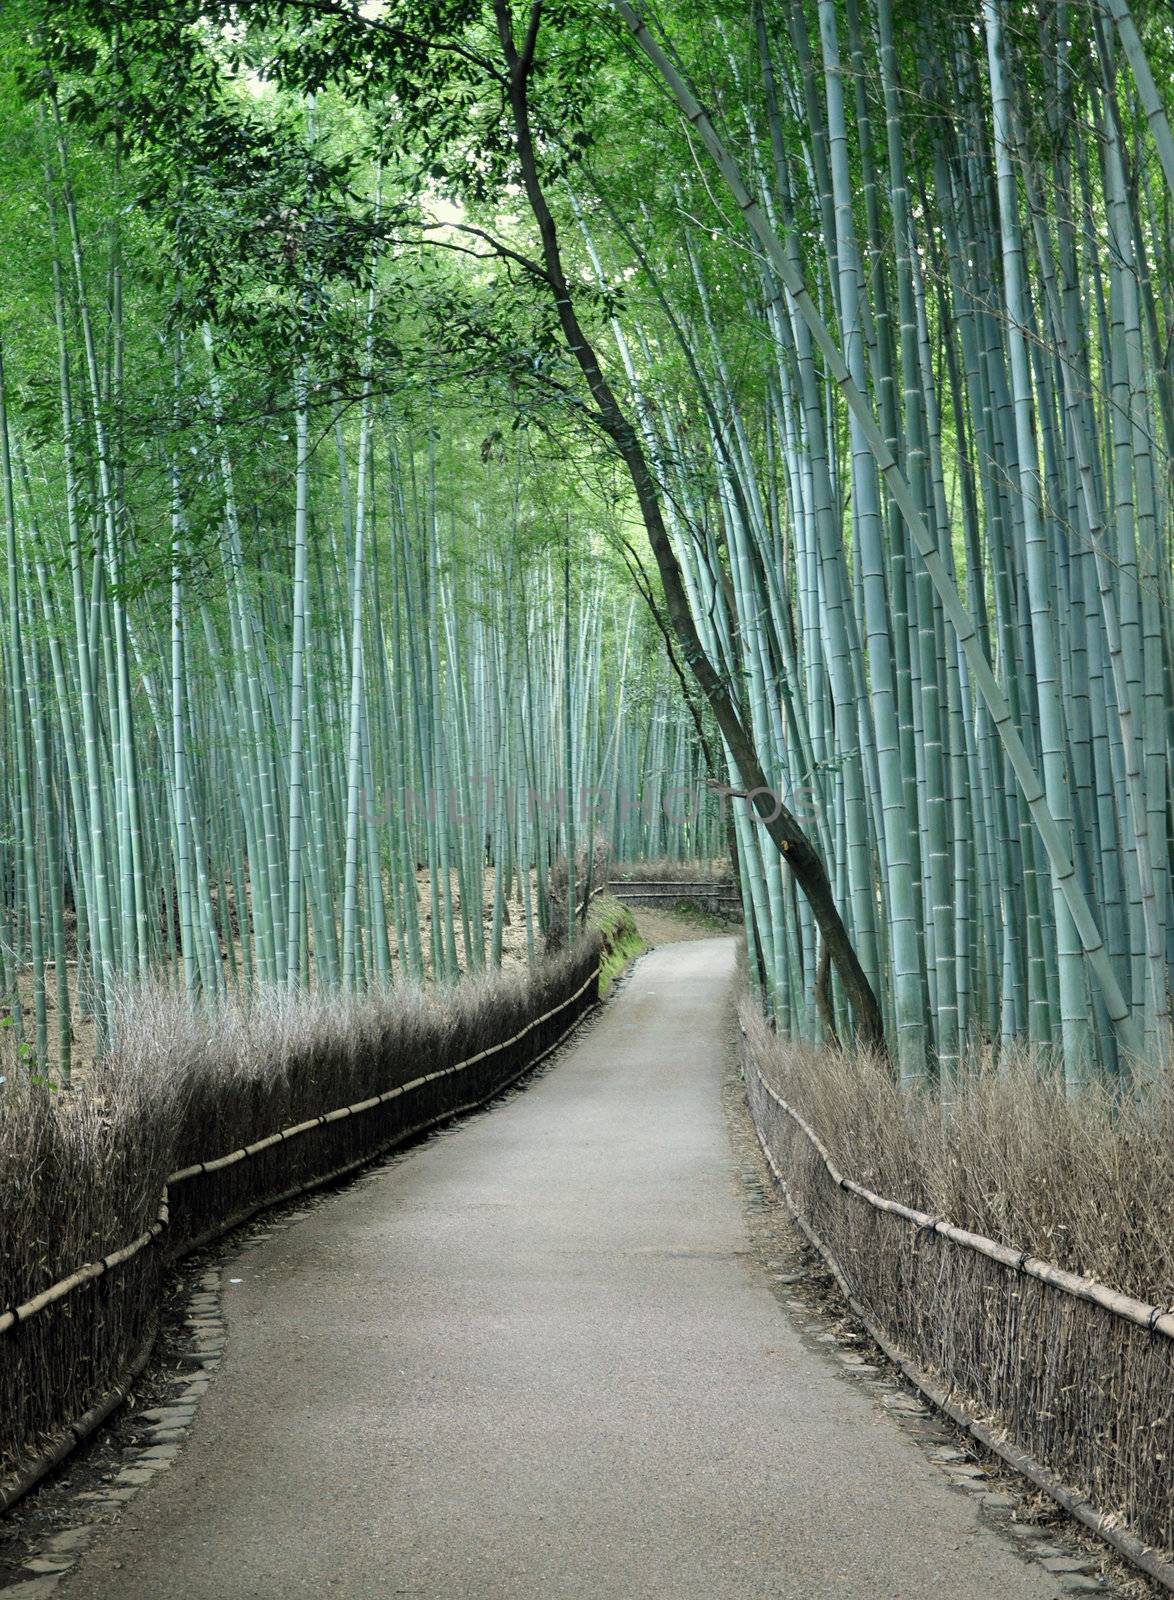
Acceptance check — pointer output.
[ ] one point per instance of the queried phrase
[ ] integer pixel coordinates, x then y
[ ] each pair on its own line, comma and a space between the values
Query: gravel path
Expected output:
534, 1358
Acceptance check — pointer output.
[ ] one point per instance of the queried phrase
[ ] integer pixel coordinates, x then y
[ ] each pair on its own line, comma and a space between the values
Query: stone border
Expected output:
1152, 1562
72, 1434
58, 1554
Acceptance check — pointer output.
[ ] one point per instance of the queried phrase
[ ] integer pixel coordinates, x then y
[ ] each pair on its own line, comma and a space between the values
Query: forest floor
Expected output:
514, 955
543, 1354
674, 927
656, 927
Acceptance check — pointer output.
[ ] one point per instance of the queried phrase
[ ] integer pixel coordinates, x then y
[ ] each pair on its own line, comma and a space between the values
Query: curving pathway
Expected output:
534, 1358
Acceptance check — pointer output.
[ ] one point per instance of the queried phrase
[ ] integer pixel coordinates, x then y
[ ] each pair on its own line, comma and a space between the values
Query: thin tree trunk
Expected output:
780, 823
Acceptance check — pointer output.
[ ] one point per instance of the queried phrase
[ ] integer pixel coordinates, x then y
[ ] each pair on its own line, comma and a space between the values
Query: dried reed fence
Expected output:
667, 870
339, 1081
1070, 1381
717, 898
661, 885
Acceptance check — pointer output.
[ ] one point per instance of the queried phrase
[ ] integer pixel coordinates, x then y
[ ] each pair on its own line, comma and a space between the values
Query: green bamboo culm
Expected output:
978, 622
339, 774
333, 648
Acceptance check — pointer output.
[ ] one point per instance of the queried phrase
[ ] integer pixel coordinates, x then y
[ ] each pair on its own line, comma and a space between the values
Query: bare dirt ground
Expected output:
514, 954
673, 927
656, 928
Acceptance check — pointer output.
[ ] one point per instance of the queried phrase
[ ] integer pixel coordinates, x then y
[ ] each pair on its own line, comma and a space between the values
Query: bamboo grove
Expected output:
329, 775
986, 206
343, 737
875, 309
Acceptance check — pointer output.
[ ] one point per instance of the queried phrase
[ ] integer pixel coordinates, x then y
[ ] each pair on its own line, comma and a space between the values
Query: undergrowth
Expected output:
81, 1173
666, 870
1086, 1182
696, 916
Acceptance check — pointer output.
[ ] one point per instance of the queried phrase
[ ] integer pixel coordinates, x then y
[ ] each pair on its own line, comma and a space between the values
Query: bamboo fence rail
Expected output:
634, 891
193, 1211
1067, 1380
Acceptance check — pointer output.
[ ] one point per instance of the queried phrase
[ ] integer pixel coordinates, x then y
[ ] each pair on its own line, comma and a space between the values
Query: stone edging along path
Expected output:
554, 1308
164, 1424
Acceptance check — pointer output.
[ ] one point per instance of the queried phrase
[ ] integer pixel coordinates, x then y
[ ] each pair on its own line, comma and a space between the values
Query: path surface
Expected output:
534, 1359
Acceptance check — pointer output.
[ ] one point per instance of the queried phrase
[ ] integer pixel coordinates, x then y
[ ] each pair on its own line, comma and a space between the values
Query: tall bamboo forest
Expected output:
448, 446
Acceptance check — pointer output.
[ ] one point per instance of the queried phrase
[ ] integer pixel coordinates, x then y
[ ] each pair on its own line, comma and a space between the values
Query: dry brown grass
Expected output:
83, 1033
81, 1173
666, 870
1087, 1183
1083, 1183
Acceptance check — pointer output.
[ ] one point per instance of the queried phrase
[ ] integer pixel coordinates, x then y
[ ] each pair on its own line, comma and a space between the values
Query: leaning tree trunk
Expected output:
782, 826
1051, 834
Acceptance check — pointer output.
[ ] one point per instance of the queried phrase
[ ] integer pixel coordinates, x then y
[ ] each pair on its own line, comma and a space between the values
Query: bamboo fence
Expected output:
1071, 1382
723, 899
69, 1354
